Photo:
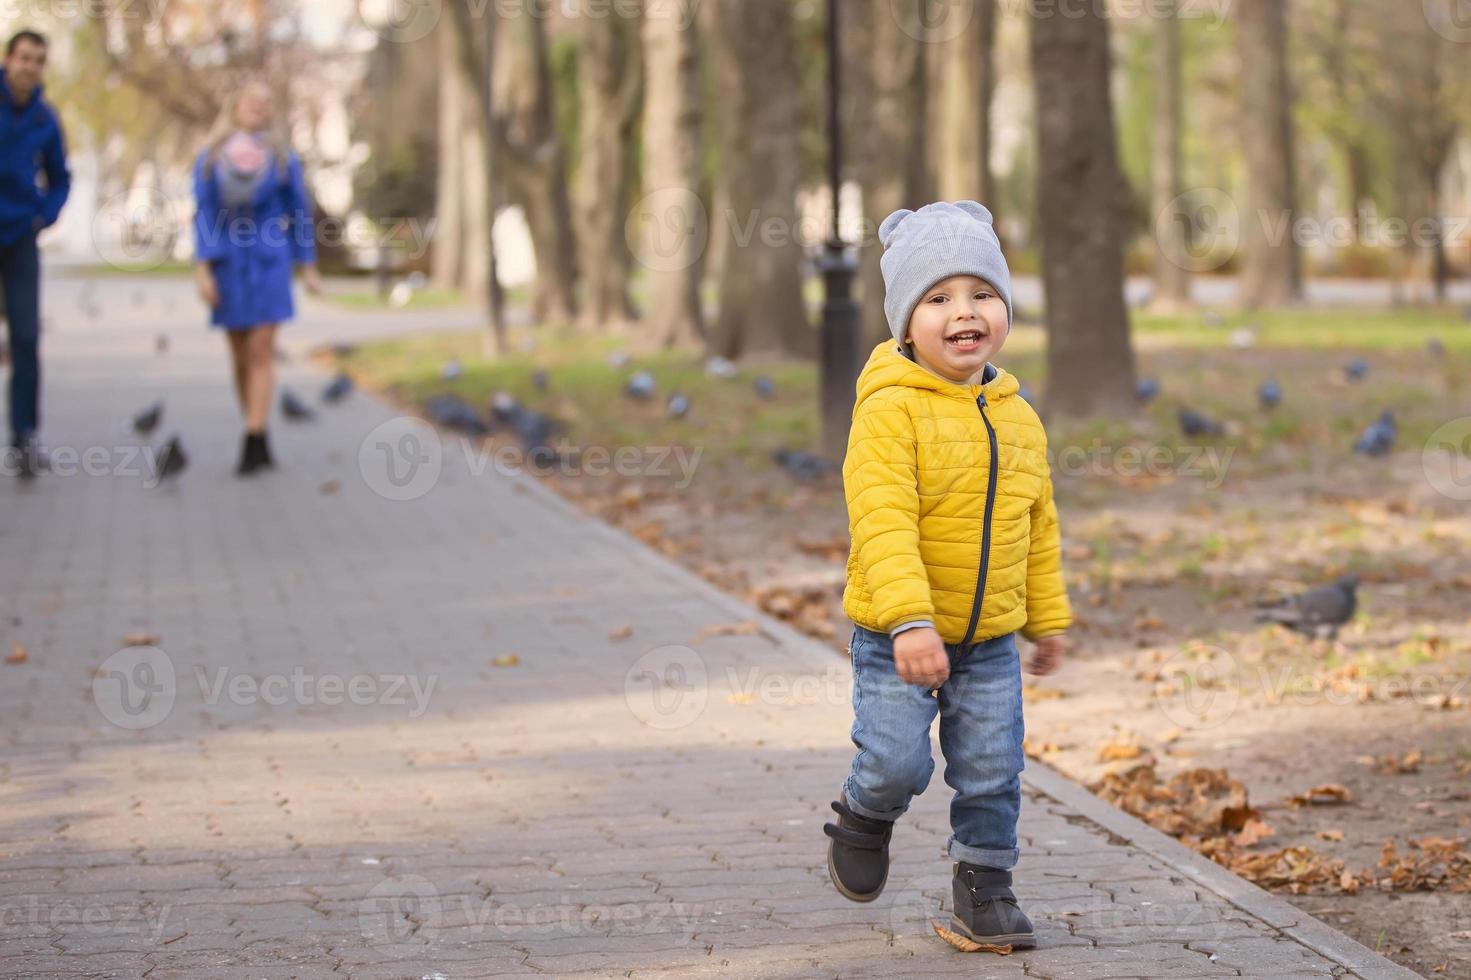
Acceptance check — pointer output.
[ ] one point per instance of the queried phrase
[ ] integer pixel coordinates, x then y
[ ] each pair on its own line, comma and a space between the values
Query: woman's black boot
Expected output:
252, 454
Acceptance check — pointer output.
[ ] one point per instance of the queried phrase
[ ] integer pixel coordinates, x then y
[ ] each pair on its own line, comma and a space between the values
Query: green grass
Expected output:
103, 270
429, 298
1305, 350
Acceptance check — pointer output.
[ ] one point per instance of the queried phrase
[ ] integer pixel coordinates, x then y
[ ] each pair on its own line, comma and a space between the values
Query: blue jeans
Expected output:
981, 729
20, 280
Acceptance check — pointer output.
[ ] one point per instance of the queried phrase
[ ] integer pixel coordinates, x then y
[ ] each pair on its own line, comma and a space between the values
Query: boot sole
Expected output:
1018, 940
843, 890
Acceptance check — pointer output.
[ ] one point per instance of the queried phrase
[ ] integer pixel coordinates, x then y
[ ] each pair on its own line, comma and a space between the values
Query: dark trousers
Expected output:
20, 280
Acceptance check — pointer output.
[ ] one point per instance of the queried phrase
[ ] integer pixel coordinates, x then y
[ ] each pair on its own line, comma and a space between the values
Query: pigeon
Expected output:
337, 389
1192, 423
765, 387
803, 465
1435, 347
294, 408
1316, 612
1356, 369
147, 420
720, 367
1378, 438
451, 370
503, 407
640, 386
171, 460
1269, 395
679, 406
540, 379
1147, 390
536, 432
453, 412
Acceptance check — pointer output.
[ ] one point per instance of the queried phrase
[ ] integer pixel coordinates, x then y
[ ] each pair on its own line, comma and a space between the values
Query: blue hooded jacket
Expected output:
30, 144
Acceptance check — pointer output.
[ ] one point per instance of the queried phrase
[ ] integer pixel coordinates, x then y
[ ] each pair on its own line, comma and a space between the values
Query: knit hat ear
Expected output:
978, 209
891, 223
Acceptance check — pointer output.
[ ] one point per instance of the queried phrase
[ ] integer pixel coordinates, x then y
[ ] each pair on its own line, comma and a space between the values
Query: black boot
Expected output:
266, 460
986, 910
251, 458
858, 855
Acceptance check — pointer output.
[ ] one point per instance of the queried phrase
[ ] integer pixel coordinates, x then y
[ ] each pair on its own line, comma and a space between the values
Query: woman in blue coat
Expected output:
252, 229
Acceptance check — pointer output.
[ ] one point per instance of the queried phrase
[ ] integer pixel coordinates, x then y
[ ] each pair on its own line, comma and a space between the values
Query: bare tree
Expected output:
609, 92
1081, 195
755, 68
449, 203
886, 121
671, 221
1271, 273
1171, 274
962, 79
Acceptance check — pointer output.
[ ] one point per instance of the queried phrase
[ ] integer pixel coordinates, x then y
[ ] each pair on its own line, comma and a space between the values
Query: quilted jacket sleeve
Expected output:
1048, 610
880, 484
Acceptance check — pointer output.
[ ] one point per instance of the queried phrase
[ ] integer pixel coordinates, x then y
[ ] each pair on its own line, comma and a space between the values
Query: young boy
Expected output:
955, 549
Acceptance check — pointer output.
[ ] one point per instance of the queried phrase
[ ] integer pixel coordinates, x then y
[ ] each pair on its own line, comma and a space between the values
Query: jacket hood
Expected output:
888, 366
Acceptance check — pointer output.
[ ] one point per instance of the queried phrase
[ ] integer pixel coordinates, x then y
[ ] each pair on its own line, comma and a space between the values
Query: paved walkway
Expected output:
313, 767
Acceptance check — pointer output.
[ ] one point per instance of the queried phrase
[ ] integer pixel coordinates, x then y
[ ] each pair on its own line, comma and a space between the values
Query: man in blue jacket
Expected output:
34, 182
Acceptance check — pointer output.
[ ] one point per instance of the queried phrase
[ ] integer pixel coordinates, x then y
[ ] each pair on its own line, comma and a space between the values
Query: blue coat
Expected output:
30, 145
254, 249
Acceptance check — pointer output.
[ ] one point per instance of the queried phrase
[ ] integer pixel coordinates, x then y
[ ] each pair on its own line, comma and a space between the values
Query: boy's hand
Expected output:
1048, 655
920, 657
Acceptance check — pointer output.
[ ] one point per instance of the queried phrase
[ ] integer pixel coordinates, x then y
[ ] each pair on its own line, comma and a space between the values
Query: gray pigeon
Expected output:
765, 387
679, 406
1192, 423
453, 412
1378, 438
147, 420
294, 408
803, 465
1356, 370
171, 460
640, 386
338, 388
1316, 612
1269, 395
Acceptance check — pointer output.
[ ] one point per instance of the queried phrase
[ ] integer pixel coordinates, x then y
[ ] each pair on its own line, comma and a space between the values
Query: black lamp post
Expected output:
838, 367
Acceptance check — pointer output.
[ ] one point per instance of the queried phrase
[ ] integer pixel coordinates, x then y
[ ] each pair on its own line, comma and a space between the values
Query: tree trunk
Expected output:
449, 202
1271, 273
1081, 201
1172, 248
885, 123
609, 89
962, 78
761, 308
671, 223
475, 60
535, 162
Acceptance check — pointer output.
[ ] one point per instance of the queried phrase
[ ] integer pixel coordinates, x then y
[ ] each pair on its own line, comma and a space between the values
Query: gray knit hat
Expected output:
936, 242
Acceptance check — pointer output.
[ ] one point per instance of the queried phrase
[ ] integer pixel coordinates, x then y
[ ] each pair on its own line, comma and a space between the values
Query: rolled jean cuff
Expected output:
1003, 860
864, 811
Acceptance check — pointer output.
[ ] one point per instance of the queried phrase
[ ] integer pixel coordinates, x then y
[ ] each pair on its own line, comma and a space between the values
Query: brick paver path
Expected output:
315, 769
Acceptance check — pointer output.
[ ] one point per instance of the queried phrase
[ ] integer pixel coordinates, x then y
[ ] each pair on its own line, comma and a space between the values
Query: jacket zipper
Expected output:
975, 609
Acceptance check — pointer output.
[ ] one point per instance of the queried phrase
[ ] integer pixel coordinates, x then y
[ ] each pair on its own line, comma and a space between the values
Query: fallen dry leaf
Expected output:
18, 654
1116, 751
1328, 793
506, 660
745, 627
622, 632
142, 640
1330, 834
968, 945
330, 487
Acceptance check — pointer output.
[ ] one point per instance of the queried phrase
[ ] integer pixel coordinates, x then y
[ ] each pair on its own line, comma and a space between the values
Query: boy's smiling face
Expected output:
959, 325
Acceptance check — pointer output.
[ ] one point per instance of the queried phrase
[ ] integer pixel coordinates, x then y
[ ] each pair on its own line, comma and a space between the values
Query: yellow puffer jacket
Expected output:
949, 494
